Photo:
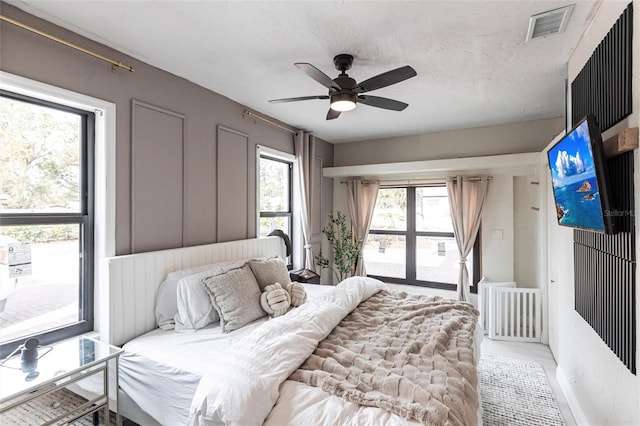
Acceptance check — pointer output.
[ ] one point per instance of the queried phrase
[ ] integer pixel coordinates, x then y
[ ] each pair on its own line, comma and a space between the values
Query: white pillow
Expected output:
195, 310
167, 301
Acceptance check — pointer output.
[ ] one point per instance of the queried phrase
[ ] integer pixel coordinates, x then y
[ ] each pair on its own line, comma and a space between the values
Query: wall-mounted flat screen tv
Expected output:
578, 174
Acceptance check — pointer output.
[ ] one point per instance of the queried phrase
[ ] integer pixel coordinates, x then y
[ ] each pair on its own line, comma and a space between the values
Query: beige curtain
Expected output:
304, 146
466, 201
362, 200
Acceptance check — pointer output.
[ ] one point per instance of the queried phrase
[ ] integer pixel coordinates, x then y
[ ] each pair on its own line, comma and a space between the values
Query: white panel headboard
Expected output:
127, 292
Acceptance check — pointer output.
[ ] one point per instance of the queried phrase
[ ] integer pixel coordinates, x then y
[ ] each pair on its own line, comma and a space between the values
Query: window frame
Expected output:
411, 234
85, 219
281, 157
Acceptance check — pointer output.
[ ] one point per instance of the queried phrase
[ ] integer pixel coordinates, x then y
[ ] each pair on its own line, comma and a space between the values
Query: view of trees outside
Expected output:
274, 195
268, 224
40, 157
436, 256
391, 210
39, 173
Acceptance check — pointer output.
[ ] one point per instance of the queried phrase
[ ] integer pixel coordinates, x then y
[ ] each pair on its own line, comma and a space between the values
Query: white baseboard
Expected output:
574, 406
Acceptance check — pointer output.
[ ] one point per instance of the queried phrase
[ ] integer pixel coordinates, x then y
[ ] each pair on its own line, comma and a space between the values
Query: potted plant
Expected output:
345, 248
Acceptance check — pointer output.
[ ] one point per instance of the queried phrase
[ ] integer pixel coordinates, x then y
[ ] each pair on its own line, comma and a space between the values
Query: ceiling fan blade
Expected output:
301, 98
332, 114
385, 79
317, 75
386, 103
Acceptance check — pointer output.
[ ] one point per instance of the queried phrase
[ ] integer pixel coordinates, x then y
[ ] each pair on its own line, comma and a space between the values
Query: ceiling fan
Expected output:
345, 93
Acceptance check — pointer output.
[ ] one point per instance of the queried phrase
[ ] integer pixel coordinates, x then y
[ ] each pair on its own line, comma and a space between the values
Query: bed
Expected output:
283, 370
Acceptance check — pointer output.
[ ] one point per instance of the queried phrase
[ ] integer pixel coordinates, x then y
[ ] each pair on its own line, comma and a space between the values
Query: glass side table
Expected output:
58, 366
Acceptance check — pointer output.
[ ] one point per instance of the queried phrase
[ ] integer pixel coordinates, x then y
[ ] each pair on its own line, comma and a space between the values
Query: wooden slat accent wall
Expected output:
603, 86
604, 265
605, 268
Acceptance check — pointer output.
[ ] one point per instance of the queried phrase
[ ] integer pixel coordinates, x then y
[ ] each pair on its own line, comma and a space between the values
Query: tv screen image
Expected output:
579, 179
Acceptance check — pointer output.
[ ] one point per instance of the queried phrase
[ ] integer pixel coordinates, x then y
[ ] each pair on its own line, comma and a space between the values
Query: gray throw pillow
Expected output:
235, 295
270, 271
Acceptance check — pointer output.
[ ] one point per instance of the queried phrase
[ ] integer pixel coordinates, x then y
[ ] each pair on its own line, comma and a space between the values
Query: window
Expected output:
411, 240
275, 195
46, 220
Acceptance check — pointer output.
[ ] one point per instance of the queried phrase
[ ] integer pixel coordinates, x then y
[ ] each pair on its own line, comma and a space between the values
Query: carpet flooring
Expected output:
47, 407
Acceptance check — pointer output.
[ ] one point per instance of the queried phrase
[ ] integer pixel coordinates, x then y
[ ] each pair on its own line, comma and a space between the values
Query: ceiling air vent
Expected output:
551, 22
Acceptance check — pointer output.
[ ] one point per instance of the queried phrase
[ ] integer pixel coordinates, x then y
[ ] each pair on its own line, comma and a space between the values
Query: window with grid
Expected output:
46, 220
411, 239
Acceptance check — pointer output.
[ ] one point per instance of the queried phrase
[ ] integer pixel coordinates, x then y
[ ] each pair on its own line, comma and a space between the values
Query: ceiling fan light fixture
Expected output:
345, 93
343, 102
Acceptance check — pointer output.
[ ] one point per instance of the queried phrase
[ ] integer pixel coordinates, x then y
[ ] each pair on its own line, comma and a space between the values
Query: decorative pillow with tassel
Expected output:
297, 293
275, 300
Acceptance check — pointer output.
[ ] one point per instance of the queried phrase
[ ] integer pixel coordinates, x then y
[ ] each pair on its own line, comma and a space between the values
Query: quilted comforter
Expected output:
411, 355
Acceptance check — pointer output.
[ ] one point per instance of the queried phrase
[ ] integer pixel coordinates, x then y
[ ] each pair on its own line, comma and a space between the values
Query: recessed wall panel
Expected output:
233, 185
157, 144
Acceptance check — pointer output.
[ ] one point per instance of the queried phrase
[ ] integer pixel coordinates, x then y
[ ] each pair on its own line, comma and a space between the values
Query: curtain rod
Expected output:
67, 43
417, 182
266, 120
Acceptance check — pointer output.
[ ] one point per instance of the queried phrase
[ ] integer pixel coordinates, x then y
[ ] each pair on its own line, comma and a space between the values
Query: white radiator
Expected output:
515, 314
483, 300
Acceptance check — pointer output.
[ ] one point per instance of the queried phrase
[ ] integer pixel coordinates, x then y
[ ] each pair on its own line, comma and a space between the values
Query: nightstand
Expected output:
67, 362
305, 276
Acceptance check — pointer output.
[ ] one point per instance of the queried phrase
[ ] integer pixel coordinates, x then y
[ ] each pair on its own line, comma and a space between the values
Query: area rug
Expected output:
516, 393
47, 407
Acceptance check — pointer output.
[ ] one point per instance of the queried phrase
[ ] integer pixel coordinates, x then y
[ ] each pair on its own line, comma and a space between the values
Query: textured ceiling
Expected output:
474, 67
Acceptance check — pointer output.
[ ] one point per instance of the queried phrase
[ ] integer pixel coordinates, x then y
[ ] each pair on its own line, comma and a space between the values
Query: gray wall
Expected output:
146, 101
514, 138
513, 255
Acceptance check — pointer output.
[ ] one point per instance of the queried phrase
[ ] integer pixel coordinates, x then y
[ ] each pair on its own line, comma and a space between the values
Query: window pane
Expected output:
386, 255
432, 210
268, 224
391, 210
274, 185
47, 296
39, 158
437, 260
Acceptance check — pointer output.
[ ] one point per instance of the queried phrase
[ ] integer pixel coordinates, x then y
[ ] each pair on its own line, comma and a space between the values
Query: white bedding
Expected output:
172, 364
298, 403
249, 374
